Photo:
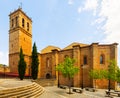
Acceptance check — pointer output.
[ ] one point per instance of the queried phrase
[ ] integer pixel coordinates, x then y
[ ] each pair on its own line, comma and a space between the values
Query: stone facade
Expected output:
93, 56
92, 53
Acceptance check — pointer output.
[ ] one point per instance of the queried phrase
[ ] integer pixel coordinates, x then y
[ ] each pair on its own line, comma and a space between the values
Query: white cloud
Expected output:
110, 11
70, 2
1, 55
79, 10
109, 16
4, 58
108, 21
98, 20
89, 5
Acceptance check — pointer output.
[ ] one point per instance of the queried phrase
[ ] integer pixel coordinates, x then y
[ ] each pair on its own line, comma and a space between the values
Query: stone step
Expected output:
46, 82
22, 92
34, 94
30, 93
18, 89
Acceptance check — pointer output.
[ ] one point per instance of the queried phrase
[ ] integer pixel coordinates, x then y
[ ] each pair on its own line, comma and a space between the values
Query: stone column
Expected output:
94, 58
114, 51
55, 62
39, 66
114, 56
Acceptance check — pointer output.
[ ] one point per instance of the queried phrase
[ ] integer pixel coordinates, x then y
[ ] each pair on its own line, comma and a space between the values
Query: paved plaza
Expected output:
53, 91
13, 83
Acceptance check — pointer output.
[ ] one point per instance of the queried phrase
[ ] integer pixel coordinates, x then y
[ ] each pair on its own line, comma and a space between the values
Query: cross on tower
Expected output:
20, 6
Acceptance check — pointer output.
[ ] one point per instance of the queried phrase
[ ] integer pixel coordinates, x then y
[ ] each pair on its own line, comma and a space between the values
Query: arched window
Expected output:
23, 22
85, 59
27, 26
102, 59
66, 56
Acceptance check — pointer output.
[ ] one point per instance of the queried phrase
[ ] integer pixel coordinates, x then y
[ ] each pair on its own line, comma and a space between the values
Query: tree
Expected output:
95, 74
111, 73
35, 62
118, 75
21, 65
68, 69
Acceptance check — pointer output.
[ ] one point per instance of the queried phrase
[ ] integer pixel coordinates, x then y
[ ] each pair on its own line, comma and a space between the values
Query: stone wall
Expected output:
4, 69
92, 52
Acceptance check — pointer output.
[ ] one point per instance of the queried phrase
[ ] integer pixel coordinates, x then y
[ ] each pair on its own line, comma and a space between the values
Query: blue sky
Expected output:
61, 22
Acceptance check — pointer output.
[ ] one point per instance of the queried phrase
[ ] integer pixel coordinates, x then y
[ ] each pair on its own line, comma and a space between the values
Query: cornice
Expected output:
21, 29
20, 10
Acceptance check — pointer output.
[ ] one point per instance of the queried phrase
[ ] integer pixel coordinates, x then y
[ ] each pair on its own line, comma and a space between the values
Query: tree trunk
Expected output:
95, 83
69, 85
109, 85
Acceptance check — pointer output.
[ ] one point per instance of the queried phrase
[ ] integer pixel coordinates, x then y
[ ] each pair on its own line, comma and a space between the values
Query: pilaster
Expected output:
76, 56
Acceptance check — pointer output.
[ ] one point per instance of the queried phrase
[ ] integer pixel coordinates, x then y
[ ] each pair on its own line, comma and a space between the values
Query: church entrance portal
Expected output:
48, 76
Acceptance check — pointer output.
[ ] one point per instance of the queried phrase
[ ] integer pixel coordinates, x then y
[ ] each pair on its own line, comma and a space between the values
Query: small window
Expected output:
12, 22
66, 56
27, 26
12, 45
16, 19
23, 22
102, 59
85, 60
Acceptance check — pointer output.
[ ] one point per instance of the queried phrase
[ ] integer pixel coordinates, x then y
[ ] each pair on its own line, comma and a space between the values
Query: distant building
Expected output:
93, 56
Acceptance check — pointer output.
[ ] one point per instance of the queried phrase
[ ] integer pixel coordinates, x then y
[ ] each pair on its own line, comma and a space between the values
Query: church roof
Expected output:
49, 49
74, 44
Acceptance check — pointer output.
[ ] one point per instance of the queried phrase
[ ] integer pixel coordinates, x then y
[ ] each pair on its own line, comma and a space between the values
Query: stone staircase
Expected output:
32, 90
46, 82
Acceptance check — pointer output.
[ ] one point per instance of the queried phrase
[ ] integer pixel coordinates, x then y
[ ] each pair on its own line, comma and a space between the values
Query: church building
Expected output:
87, 56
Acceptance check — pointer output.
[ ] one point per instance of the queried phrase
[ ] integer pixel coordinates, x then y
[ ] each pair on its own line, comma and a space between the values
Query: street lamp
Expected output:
82, 77
58, 79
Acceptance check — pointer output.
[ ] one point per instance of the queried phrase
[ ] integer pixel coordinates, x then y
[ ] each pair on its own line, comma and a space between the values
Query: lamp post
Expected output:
82, 77
58, 79
109, 79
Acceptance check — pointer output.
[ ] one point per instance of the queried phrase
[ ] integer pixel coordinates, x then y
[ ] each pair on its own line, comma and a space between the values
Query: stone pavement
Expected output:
15, 88
54, 92
11, 83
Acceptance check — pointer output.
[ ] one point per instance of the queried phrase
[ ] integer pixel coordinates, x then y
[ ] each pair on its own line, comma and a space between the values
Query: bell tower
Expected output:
20, 35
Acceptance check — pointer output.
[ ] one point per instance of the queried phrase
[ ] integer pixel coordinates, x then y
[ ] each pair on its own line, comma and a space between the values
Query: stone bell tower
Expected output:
20, 35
